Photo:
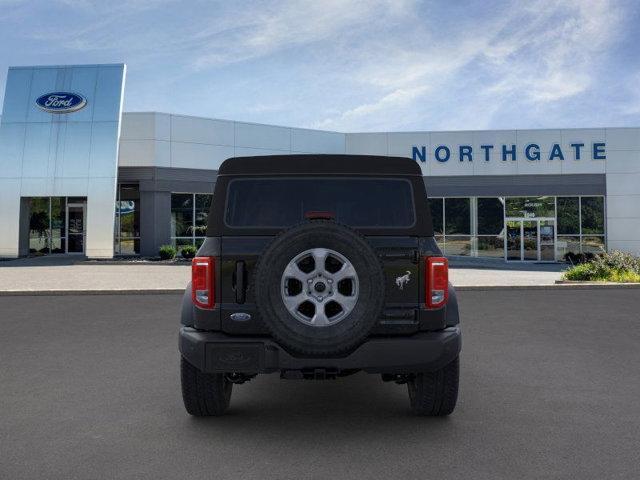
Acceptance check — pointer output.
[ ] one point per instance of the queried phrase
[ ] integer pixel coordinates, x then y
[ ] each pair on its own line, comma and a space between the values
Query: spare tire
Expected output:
319, 288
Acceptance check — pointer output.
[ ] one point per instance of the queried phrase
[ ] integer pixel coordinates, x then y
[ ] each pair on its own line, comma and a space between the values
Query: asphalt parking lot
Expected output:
550, 384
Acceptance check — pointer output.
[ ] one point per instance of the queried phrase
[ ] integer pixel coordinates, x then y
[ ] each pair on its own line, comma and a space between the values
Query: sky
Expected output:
351, 65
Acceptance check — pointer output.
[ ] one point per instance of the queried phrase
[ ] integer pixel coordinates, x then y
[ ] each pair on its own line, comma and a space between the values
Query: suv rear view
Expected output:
315, 267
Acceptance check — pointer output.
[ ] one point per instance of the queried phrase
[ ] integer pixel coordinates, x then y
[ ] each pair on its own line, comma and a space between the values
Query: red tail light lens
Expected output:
202, 282
437, 281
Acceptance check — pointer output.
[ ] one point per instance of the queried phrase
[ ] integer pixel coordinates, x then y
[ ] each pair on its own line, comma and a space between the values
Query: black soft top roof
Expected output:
320, 164
326, 165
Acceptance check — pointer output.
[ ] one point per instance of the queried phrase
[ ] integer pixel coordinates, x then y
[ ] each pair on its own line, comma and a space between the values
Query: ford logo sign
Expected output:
61, 102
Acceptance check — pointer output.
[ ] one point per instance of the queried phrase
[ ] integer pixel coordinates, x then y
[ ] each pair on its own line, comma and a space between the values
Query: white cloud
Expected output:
538, 54
348, 64
283, 25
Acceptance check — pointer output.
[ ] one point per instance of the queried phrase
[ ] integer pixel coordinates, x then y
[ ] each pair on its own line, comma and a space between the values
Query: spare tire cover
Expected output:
319, 288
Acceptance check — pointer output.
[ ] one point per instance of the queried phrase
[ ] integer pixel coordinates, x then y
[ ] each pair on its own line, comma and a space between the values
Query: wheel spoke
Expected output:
319, 258
347, 271
345, 301
293, 271
320, 318
293, 302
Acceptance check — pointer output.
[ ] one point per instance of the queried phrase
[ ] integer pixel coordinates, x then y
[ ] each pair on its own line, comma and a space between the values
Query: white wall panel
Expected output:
623, 183
197, 155
202, 130
143, 153
9, 218
139, 126
163, 126
623, 161
586, 165
262, 136
495, 165
623, 229
313, 141
367, 144
632, 246
623, 139
250, 152
623, 206
100, 218
544, 166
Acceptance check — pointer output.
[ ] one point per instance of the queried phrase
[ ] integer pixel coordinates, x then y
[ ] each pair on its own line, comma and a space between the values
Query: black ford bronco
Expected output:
319, 266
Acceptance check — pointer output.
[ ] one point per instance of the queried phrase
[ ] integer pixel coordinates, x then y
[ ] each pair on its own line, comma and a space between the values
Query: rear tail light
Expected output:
202, 282
437, 281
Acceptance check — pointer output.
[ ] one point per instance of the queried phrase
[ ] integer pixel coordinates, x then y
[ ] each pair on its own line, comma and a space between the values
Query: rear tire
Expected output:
434, 394
298, 336
204, 394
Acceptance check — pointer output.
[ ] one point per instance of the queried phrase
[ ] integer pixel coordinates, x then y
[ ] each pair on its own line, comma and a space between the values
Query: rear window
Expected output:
358, 202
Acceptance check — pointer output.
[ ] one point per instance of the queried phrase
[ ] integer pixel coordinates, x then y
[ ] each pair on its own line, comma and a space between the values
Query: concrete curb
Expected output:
581, 282
459, 288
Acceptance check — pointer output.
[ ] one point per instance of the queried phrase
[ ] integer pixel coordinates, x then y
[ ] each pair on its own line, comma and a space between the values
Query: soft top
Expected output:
320, 164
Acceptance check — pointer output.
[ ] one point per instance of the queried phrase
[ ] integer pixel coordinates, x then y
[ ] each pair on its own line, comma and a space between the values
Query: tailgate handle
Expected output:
240, 284
412, 255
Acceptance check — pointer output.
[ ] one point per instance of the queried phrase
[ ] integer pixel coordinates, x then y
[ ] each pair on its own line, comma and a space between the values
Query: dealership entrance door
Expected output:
76, 220
54, 225
530, 239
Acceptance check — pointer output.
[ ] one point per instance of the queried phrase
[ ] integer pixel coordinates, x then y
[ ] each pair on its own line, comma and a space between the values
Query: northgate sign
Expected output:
531, 152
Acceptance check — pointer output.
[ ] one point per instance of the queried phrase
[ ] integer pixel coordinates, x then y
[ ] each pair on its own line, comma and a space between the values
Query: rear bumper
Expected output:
217, 352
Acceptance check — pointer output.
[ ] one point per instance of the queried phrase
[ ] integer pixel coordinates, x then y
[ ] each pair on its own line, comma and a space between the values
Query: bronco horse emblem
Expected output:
402, 280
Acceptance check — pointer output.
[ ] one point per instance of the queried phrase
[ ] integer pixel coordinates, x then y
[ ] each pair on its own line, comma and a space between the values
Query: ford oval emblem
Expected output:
240, 317
61, 102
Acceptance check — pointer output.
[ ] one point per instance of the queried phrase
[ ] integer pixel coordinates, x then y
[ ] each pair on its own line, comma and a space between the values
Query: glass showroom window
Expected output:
189, 218
47, 227
451, 219
580, 225
127, 227
436, 205
457, 226
530, 207
490, 227
568, 225
592, 224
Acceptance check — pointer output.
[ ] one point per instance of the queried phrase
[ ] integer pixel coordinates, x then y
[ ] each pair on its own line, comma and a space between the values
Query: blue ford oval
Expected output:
61, 102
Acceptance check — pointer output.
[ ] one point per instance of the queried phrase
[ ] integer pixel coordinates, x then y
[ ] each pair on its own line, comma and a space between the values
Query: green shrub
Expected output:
615, 266
624, 277
617, 260
167, 252
188, 251
582, 271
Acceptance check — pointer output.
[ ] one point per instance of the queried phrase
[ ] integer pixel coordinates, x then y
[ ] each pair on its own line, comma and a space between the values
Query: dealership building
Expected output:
80, 176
